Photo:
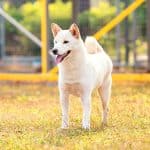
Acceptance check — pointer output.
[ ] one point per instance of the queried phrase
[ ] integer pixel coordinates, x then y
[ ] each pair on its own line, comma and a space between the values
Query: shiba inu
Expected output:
82, 68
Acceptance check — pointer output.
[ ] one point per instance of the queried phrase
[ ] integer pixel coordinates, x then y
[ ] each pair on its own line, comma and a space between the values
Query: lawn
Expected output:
30, 117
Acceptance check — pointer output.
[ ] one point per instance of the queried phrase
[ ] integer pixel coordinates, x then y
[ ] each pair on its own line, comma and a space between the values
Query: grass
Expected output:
30, 117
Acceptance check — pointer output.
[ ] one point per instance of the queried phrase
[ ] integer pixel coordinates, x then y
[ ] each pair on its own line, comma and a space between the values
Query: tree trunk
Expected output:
2, 35
118, 35
16, 2
75, 10
127, 37
134, 38
85, 29
84, 5
148, 34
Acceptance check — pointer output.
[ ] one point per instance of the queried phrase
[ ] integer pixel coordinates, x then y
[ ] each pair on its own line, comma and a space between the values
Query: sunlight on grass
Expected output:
30, 117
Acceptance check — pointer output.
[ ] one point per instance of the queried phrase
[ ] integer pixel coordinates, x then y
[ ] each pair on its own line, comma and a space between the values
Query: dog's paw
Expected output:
104, 124
64, 127
61, 130
86, 127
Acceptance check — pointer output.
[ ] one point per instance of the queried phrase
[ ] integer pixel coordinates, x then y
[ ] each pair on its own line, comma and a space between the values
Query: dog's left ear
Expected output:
74, 30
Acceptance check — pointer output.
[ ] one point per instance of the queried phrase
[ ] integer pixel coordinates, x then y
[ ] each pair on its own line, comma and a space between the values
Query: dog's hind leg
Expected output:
64, 101
105, 93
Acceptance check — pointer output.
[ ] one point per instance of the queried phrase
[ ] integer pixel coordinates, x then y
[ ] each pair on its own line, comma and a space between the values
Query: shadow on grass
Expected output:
75, 132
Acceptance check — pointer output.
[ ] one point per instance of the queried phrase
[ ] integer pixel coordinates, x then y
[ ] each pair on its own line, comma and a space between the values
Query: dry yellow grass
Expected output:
30, 117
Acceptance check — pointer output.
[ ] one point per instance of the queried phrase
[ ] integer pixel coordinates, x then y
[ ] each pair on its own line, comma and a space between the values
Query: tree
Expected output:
148, 34
2, 34
84, 5
118, 55
127, 36
18, 2
134, 38
75, 10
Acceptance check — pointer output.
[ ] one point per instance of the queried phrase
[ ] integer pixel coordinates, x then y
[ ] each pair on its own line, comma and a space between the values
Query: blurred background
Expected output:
20, 32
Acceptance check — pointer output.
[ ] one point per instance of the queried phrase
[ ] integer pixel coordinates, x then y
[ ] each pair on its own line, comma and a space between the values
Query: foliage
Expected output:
61, 13
98, 16
30, 117
142, 17
29, 15
13, 12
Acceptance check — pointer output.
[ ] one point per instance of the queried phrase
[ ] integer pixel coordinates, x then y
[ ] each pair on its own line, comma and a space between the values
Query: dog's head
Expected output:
65, 41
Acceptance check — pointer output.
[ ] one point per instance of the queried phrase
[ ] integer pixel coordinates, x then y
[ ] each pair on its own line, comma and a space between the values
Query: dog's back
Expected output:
98, 59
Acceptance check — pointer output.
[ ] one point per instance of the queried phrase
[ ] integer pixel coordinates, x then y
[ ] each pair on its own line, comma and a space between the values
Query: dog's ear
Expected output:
55, 28
74, 30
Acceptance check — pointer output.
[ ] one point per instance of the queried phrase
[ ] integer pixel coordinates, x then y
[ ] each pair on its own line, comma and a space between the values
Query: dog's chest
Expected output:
75, 89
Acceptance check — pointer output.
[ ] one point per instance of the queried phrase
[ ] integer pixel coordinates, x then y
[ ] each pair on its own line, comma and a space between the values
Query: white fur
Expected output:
92, 45
80, 73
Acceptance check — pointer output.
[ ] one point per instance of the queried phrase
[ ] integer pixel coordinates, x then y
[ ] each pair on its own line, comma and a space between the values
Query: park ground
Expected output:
30, 117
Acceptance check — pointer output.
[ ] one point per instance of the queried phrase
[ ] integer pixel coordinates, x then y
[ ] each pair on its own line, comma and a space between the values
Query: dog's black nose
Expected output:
55, 51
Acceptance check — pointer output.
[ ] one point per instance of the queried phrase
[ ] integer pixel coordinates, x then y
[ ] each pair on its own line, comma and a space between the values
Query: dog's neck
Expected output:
73, 66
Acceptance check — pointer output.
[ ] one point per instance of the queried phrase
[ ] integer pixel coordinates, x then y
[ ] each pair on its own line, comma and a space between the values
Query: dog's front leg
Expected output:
86, 103
64, 101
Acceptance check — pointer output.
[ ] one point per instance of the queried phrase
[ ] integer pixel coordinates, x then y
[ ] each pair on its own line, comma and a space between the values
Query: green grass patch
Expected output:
30, 118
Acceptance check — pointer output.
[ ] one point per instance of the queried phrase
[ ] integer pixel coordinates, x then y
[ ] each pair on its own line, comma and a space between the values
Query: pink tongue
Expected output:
59, 58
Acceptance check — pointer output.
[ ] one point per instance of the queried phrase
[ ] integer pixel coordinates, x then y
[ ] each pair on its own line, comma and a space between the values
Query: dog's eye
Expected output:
55, 41
65, 42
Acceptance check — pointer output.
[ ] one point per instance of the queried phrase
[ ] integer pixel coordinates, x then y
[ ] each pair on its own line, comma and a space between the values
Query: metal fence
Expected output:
20, 44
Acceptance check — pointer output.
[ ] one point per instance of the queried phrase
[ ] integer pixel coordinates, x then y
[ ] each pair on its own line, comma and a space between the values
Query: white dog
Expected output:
82, 68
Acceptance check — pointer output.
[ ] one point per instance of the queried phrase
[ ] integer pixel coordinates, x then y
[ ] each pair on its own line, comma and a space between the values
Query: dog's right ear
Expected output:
74, 30
55, 29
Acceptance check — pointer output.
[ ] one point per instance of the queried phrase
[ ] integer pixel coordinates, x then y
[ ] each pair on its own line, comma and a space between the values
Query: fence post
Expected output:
44, 36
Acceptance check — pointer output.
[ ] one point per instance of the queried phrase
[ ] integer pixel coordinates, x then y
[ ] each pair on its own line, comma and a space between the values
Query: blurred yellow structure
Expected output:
43, 37
118, 19
51, 75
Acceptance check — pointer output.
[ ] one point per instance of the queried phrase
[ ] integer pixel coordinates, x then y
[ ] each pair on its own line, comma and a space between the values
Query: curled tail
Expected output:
92, 45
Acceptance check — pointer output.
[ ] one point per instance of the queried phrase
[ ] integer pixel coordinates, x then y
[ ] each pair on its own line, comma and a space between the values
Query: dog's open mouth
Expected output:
60, 58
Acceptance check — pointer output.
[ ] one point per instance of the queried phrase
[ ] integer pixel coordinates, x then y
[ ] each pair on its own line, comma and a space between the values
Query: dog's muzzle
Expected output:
60, 58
